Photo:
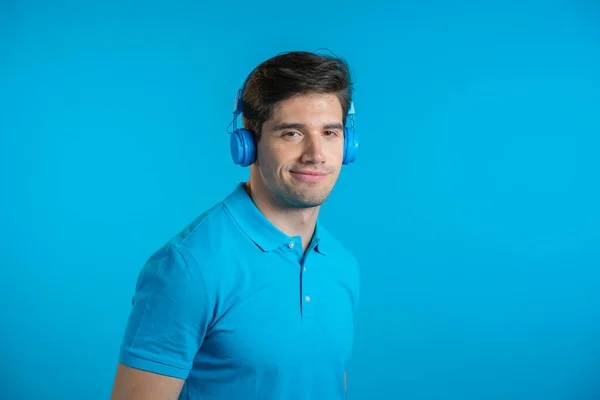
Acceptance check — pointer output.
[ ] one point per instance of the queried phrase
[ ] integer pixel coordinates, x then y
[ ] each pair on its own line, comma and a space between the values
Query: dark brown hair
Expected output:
290, 74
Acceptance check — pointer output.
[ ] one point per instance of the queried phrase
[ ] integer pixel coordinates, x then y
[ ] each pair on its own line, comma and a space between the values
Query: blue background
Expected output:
473, 207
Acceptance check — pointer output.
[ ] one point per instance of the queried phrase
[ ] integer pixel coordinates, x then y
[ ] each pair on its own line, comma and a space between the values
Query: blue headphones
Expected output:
243, 148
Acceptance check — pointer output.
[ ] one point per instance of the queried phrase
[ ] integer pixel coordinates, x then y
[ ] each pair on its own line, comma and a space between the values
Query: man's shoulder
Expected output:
202, 227
197, 248
342, 256
205, 235
337, 247
347, 265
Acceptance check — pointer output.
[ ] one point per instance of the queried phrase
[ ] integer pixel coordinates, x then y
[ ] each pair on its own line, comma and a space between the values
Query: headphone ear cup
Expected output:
242, 147
350, 145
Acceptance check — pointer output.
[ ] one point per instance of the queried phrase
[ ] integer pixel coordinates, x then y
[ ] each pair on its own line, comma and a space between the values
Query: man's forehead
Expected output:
311, 105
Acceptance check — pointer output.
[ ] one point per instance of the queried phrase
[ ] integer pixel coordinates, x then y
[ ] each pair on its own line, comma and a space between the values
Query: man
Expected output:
255, 299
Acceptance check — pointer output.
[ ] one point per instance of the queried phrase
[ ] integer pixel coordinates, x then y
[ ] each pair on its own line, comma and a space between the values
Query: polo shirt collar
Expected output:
320, 238
257, 227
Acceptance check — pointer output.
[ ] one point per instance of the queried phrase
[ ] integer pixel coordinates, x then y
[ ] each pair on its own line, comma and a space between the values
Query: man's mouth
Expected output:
308, 176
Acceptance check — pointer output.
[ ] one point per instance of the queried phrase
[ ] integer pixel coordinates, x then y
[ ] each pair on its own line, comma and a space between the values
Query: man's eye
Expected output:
290, 133
330, 133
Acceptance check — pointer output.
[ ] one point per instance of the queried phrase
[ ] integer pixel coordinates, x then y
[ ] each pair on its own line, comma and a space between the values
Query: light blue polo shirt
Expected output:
232, 306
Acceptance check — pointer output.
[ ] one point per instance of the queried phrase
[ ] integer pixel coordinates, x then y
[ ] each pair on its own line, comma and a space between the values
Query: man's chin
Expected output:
308, 198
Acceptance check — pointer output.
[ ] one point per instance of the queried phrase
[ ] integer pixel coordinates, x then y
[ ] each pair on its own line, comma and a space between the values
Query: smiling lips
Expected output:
308, 176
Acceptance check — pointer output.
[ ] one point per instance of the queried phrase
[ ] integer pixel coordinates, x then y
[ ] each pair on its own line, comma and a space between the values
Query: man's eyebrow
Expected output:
292, 125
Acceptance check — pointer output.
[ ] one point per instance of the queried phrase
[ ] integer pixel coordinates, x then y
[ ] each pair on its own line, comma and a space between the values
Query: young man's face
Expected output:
300, 150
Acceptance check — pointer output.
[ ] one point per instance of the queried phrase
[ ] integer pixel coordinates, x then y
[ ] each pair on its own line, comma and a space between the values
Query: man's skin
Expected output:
305, 134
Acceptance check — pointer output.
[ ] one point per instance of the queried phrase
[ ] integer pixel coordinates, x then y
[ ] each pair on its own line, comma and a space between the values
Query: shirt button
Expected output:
291, 245
307, 299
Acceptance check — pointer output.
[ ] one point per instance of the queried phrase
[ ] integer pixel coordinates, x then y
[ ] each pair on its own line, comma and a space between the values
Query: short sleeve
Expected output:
170, 314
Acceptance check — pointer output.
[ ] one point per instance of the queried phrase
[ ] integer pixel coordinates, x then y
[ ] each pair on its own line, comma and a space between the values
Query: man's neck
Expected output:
292, 222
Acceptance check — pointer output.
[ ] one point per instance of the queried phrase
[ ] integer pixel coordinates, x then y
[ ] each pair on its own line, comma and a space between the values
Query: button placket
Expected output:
293, 251
307, 286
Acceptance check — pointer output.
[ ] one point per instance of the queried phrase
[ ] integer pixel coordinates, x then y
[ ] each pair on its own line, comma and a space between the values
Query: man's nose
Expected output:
313, 151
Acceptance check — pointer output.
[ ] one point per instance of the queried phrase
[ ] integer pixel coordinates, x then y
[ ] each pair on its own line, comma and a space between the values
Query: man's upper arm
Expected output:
135, 384
171, 312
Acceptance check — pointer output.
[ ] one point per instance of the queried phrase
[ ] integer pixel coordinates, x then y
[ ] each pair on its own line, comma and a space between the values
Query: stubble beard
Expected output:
302, 195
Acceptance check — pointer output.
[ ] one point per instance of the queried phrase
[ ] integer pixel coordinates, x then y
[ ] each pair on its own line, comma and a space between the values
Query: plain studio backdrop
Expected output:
473, 207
